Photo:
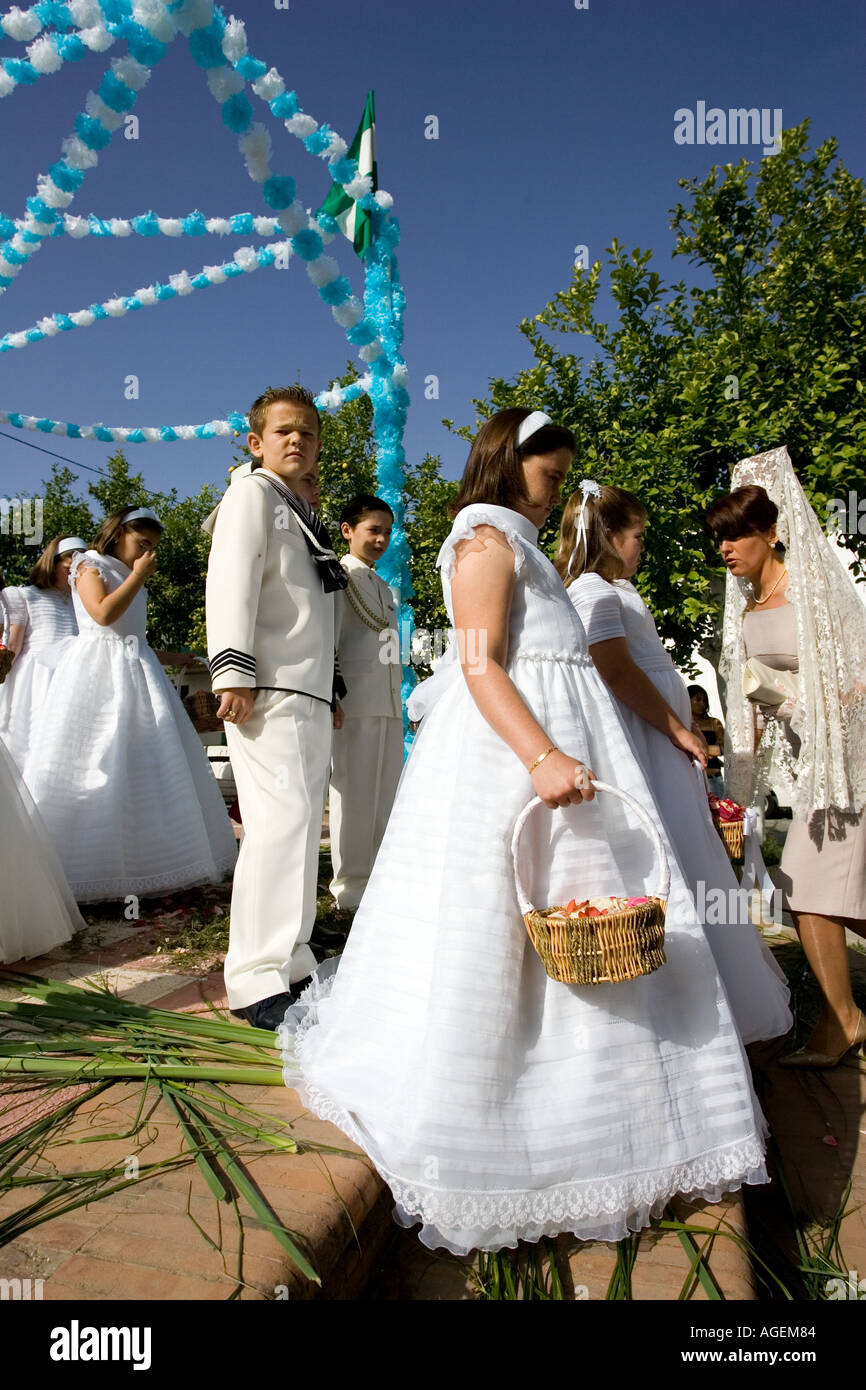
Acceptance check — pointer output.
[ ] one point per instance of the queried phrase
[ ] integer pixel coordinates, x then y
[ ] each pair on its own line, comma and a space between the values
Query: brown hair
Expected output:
293, 395
493, 470
741, 513
109, 532
614, 510
41, 575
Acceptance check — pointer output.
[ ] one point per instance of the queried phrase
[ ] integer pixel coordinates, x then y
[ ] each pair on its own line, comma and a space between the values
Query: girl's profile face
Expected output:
369, 538
130, 545
628, 545
543, 477
61, 572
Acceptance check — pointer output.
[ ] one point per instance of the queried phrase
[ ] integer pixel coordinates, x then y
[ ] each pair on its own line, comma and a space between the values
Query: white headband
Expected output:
531, 425
588, 488
69, 543
143, 514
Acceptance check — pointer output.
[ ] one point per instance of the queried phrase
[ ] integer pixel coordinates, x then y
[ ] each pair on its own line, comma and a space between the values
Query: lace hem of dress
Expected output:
465, 1220
190, 876
464, 530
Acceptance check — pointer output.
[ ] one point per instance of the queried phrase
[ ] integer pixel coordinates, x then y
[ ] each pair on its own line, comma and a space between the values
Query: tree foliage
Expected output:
767, 347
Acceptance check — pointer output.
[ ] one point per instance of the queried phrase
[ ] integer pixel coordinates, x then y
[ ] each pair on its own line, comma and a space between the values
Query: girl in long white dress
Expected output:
41, 620
116, 768
37, 909
497, 1103
601, 541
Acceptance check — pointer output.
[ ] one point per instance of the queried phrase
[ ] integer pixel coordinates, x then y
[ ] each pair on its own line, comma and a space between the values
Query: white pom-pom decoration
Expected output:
119, 226
224, 82
83, 318
193, 14
21, 25
181, 282
336, 149
322, 271
48, 327
301, 125
215, 274
96, 107
115, 307
147, 296
7, 83
134, 75
44, 56
234, 40
348, 314
384, 200
266, 226
269, 86
96, 39
50, 194
246, 258
185, 431
359, 187
220, 226
370, 352
78, 155
153, 16
170, 226
85, 12
76, 226
293, 219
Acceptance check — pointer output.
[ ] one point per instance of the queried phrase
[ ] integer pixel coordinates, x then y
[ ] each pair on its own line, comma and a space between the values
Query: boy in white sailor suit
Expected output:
270, 625
368, 748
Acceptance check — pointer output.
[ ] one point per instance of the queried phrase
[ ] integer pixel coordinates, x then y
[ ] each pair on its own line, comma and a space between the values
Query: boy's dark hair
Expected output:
293, 395
360, 506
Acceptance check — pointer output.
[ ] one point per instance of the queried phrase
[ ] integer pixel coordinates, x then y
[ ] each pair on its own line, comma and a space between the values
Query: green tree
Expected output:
768, 347
428, 496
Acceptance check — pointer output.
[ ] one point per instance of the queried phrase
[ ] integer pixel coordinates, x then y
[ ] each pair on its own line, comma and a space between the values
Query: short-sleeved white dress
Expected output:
48, 617
756, 985
497, 1103
116, 768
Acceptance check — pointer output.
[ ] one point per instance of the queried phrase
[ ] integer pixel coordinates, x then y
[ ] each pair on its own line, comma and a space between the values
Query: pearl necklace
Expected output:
773, 590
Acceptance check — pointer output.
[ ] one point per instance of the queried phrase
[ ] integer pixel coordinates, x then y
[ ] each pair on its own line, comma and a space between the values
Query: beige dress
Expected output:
823, 866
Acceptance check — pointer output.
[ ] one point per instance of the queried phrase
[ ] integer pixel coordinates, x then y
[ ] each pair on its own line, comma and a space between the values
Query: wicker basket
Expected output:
598, 950
732, 837
201, 706
6, 659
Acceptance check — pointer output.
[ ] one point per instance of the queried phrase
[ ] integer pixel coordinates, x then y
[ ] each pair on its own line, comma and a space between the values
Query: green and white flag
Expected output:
355, 222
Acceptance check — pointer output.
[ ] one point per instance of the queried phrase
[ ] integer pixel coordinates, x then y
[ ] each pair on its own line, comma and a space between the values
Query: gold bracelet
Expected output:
542, 756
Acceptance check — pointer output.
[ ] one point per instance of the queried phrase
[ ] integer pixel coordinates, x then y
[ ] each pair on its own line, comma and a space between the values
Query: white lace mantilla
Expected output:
829, 718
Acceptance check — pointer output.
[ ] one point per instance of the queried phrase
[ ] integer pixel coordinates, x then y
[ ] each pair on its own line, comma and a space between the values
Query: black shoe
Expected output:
266, 1013
329, 938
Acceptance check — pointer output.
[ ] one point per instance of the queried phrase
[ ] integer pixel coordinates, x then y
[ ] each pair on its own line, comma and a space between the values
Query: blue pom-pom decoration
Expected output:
279, 191
146, 225
307, 244
70, 47
286, 106
319, 140
337, 292
70, 180
92, 132
343, 170
242, 223
195, 224
206, 45
21, 70
116, 95
250, 69
237, 112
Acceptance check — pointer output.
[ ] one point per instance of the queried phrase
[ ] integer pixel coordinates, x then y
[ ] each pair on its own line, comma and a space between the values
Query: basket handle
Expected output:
649, 827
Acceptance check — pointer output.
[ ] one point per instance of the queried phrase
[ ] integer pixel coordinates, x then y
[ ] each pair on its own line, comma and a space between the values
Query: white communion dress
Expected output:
756, 985
497, 1103
37, 909
117, 769
48, 617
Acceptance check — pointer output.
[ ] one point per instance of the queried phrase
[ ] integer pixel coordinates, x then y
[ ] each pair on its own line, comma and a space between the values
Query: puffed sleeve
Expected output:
234, 579
598, 607
464, 528
16, 607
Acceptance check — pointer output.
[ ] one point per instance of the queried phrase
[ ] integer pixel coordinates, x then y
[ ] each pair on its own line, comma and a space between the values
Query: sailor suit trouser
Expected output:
280, 758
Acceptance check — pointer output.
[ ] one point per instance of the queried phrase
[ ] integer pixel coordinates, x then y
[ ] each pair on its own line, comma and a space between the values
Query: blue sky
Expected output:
555, 129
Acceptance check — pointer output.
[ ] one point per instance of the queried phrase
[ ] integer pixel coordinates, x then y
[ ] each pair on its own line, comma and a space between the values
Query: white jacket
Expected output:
373, 685
269, 622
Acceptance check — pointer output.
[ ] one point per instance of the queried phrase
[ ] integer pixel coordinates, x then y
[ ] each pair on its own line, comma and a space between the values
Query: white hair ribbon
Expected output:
69, 543
588, 488
143, 514
531, 425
